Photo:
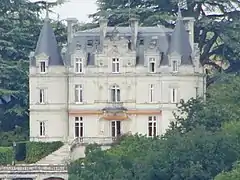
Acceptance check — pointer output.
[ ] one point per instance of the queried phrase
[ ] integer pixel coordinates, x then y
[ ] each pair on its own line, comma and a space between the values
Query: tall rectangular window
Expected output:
78, 93
115, 65
151, 93
78, 65
115, 93
175, 66
173, 95
42, 66
42, 96
152, 65
78, 126
152, 126
42, 128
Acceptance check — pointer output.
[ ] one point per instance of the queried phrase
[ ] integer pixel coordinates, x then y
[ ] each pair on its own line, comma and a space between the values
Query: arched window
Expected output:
115, 93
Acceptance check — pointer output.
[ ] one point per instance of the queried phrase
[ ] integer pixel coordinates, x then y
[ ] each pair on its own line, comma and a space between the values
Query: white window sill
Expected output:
79, 102
42, 103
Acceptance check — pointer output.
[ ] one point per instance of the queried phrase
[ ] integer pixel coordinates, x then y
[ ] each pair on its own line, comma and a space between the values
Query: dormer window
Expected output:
90, 42
175, 66
152, 65
141, 42
78, 65
42, 67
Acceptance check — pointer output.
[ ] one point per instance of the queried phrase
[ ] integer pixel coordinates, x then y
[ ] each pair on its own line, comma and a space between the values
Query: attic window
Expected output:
78, 46
42, 66
88, 58
141, 42
90, 42
129, 45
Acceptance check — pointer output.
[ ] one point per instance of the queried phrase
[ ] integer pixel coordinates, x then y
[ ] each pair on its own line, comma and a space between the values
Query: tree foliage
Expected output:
216, 27
20, 27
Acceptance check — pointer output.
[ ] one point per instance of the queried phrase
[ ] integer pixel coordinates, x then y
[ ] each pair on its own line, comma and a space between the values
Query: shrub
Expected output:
6, 155
38, 150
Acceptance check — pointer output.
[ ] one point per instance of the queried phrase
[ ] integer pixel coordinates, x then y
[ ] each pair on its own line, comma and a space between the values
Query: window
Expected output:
78, 93
173, 95
78, 126
90, 42
151, 92
42, 66
42, 128
174, 66
79, 65
152, 126
141, 42
152, 64
115, 65
42, 96
197, 93
115, 94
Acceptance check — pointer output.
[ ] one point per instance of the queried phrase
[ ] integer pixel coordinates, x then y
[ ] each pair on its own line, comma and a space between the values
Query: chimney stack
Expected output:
189, 24
103, 29
134, 28
70, 23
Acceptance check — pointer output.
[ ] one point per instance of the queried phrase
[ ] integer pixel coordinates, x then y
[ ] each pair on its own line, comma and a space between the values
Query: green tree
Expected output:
20, 27
216, 26
232, 175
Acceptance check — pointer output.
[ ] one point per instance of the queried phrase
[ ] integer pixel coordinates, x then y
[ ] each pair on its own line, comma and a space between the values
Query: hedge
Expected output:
38, 150
6, 155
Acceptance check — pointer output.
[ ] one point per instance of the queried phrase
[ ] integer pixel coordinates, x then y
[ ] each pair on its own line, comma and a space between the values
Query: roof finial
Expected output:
47, 10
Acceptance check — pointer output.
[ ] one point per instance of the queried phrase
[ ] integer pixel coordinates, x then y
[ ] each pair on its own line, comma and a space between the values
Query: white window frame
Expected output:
42, 128
115, 65
152, 61
43, 69
174, 66
152, 123
115, 93
78, 126
151, 93
78, 65
174, 95
42, 96
78, 93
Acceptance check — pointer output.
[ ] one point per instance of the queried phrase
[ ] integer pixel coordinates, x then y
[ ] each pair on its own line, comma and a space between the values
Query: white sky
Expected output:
79, 9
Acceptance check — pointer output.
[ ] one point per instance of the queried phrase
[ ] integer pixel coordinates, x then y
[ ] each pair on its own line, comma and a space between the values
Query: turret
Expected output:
47, 52
180, 44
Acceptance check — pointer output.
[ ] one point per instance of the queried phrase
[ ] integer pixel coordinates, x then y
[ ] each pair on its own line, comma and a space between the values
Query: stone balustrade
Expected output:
33, 168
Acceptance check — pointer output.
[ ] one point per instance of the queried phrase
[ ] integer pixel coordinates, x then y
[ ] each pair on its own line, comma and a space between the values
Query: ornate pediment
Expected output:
42, 56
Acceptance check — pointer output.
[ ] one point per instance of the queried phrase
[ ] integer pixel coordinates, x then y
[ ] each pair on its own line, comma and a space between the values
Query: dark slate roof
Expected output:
47, 44
180, 41
127, 30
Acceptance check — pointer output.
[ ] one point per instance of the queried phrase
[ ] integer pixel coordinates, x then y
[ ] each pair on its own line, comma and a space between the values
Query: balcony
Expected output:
114, 107
115, 111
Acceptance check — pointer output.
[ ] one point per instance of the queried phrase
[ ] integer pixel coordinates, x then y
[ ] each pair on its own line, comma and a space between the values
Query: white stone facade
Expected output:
112, 97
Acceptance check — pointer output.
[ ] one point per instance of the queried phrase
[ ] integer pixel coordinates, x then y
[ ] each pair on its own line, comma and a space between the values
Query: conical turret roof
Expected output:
47, 44
180, 41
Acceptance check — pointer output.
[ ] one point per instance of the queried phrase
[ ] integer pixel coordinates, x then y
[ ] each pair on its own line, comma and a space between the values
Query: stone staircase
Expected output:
60, 156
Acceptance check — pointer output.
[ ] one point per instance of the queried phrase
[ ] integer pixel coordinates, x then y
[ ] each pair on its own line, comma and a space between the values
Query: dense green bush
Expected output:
38, 150
6, 155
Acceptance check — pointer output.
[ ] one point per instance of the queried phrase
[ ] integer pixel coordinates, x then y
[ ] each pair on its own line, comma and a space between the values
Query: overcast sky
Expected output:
79, 9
